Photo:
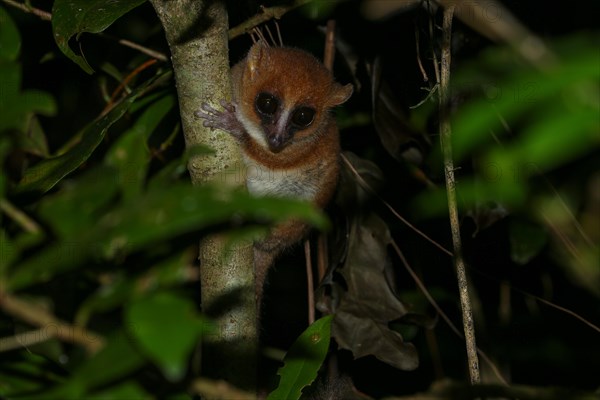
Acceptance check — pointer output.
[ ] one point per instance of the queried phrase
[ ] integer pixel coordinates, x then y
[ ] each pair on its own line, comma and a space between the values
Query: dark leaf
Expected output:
365, 336
362, 317
47, 173
10, 40
526, 240
117, 358
351, 192
130, 154
72, 17
17, 106
88, 194
486, 214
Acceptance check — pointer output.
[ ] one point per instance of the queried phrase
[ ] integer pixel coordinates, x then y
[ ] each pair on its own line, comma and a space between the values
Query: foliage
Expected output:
109, 232
303, 360
100, 225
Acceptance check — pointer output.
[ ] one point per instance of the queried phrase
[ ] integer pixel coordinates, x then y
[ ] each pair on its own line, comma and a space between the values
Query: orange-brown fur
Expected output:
297, 79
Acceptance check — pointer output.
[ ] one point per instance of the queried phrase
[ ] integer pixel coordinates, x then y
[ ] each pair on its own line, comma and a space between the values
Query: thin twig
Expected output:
52, 326
310, 283
368, 187
322, 251
556, 306
419, 63
145, 50
436, 67
124, 83
266, 14
445, 136
47, 16
219, 390
541, 300
25, 339
441, 312
28, 224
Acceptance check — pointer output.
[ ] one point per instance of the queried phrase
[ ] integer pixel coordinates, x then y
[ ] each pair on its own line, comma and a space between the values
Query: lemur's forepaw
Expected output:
216, 119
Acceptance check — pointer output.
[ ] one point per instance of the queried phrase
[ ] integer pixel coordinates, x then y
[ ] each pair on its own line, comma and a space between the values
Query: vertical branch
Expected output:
196, 32
445, 136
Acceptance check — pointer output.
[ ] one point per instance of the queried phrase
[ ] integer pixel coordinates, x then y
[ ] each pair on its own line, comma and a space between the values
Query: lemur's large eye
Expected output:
266, 104
303, 117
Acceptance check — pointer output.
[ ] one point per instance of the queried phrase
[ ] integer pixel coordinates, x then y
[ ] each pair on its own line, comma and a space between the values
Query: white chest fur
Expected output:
292, 183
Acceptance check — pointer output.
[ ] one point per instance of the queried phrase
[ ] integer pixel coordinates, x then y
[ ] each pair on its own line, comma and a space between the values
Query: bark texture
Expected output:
197, 35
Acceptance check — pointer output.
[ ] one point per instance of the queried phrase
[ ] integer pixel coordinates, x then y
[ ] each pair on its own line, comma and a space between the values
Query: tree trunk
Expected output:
197, 35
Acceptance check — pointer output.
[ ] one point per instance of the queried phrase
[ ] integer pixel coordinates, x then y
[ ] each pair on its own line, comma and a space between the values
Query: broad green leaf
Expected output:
10, 40
166, 327
89, 194
17, 106
130, 154
302, 362
47, 173
11, 249
523, 90
319, 9
72, 17
155, 217
471, 192
172, 172
117, 359
28, 374
122, 288
544, 145
128, 390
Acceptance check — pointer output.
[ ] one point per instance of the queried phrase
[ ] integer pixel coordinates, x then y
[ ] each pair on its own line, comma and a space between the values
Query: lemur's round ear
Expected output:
340, 94
258, 54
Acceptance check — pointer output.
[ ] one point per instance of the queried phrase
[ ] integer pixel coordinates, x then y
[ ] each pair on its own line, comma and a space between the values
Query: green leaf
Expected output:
29, 373
128, 390
303, 360
166, 328
89, 195
130, 154
526, 240
517, 94
114, 361
47, 173
18, 106
121, 288
319, 9
34, 139
544, 145
10, 40
155, 217
8, 252
72, 17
